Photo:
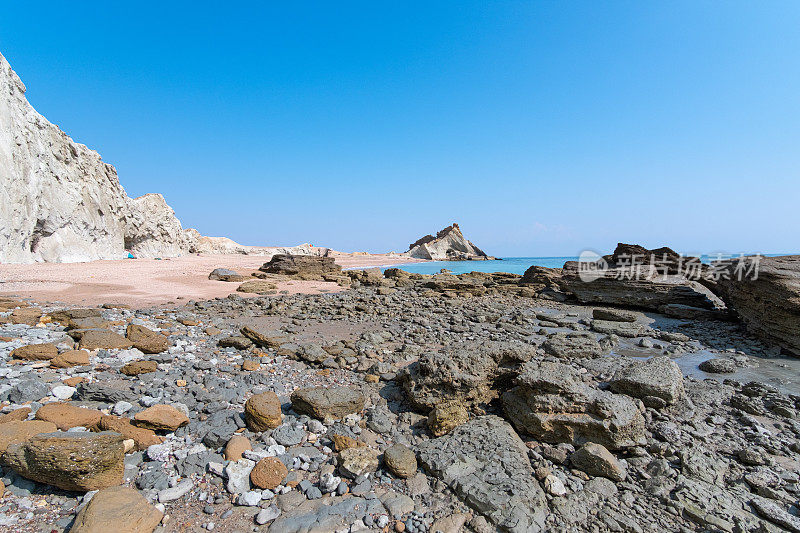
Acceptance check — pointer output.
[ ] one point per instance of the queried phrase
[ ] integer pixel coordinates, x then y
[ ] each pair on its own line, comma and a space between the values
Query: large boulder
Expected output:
553, 404
766, 296
486, 464
448, 245
301, 266
658, 377
78, 461
464, 372
118, 509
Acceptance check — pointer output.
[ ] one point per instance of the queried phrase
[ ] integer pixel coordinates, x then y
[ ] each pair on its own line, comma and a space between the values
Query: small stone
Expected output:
250, 498
354, 462
103, 339
236, 447
238, 474
554, 486
268, 473
70, 358
63, 392
134, 368
267, 514
250, 366
596, 460
400, 461
263, 411
146, 340
161, 417
175, 493
447, 416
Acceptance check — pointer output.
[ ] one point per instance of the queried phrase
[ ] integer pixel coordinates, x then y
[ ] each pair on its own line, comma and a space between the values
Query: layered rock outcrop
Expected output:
767, 299
448, 245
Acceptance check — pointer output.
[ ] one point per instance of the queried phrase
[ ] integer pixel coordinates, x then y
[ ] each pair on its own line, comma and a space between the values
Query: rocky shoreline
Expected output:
406, 402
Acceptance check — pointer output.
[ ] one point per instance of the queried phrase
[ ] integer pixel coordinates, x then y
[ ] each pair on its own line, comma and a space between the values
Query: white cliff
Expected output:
60, 202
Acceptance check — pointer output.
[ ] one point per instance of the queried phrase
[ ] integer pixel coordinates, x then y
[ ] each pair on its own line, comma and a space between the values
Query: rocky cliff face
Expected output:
60, 202
448, 245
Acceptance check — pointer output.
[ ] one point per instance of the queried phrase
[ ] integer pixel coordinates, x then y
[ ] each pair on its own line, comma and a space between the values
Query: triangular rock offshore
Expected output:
448, 245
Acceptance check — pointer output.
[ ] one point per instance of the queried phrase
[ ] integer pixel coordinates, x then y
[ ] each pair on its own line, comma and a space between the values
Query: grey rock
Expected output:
553, 404
486, 463
659, 377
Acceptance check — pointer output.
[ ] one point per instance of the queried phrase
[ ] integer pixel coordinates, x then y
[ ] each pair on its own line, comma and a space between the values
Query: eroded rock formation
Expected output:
448, 245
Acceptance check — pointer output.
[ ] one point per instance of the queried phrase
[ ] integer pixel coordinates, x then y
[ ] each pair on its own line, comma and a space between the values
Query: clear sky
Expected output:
543, 128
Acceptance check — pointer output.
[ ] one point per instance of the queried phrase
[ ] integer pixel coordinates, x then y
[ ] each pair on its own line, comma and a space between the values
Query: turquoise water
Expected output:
512, 265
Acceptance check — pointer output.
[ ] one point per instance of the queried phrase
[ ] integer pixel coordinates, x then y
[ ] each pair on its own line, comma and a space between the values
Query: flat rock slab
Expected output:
95, 339
658, 376
486, 463
325, 514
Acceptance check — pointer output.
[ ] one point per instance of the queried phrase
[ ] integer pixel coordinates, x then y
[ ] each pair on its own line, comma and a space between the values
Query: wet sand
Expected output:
150, 282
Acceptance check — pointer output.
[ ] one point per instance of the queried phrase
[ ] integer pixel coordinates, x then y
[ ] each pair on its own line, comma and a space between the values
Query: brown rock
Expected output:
2, 489
79, 461
250, 365
7, 304
142, 437
15, 415
263, 411
161, 417
257, 286
70, 358
146, 340
103, 339
268, 473
134, 368
74, 381
265, 337
447, 416
117, 509
65, 315
35, 352
65, 416
235, 447
343, 442
27, 315
301, 266
19, 431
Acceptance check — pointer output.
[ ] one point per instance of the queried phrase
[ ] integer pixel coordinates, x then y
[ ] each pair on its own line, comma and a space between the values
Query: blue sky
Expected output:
544, 128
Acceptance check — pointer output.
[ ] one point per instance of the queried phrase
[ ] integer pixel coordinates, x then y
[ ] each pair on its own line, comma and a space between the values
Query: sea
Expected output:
512, 265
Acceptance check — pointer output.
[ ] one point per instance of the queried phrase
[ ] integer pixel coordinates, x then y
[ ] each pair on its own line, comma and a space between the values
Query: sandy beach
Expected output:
151, 282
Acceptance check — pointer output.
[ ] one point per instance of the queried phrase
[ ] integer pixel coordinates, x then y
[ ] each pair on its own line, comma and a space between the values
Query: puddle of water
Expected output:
781, 372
